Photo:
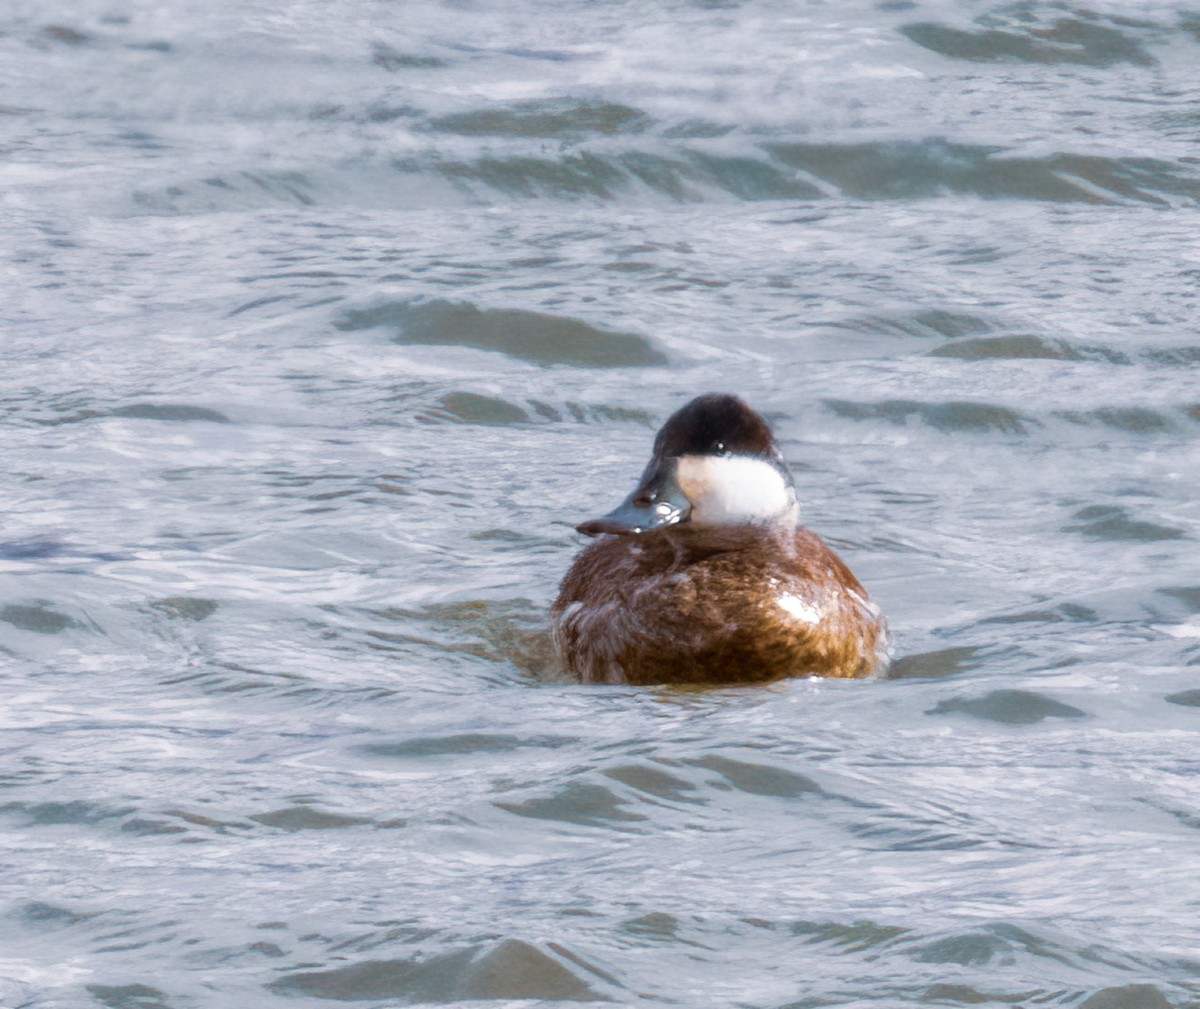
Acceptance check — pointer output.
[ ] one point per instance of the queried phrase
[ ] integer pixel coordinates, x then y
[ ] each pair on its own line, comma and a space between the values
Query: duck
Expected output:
704, 575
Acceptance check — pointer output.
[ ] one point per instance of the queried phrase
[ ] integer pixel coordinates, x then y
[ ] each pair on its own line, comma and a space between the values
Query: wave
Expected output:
688, 172
1078, 37
536, 337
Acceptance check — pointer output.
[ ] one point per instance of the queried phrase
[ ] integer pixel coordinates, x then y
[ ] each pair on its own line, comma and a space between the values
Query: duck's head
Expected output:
715, 463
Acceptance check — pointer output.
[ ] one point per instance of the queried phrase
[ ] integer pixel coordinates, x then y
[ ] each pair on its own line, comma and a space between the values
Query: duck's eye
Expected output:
719, 448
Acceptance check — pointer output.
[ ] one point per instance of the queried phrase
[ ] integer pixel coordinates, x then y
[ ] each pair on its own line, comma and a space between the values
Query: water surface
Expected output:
324, 324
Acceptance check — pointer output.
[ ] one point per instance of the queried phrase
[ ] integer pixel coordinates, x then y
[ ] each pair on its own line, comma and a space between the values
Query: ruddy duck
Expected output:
703, 575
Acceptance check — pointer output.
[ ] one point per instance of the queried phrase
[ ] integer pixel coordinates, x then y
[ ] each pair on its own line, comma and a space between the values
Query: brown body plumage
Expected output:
708, 578
696, 605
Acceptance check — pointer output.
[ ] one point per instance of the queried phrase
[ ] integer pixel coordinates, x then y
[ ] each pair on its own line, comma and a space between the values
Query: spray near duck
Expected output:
703, 574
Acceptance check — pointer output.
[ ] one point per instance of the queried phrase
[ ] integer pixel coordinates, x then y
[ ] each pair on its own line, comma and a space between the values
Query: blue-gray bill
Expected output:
657, 501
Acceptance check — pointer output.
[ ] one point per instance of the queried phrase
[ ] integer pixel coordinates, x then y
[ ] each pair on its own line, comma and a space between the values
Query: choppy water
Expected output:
323, 324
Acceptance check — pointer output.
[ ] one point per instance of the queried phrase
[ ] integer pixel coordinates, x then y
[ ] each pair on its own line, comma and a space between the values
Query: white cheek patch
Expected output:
730, 490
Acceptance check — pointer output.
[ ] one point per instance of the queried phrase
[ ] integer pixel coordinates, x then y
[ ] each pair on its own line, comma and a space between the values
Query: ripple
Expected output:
1063, 613
129, 996
931, 168
849, 937
1067, 40
511, 631
1174, 357
655, 926
935, 322
1186, 698
75, 811
749, 177
759, 779
392, 59
295, 818
186, 607
1023, 347
579, 802
879, 170
653, 781
548, 119
965, 994
1136, 420
973, 948
173, 412
954, 416
462, 744
32, 549
1188, 595
897, 829
510, 969
529, 336
40, 619
216, 826
70, 413
682, 171
144, 826
467, 407
1114, 523
238, 190
568, 176
44, 916
66, 35
935, 665
223, 677
472, 408
1008, 707
1129, 996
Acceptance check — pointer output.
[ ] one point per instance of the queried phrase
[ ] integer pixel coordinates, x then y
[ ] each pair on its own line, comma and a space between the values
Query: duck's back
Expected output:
714, 605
